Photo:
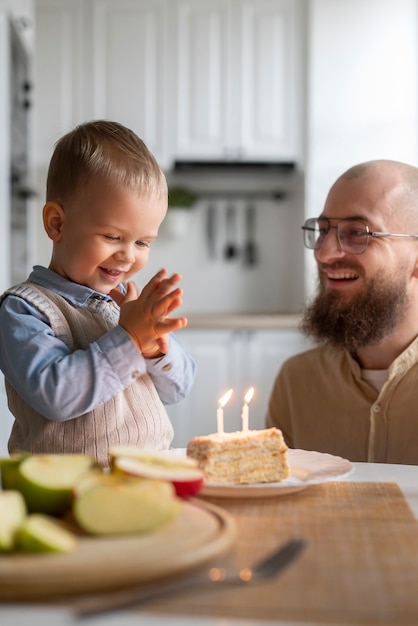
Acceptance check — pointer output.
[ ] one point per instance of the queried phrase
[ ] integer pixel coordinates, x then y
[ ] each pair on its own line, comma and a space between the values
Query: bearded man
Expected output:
356, 393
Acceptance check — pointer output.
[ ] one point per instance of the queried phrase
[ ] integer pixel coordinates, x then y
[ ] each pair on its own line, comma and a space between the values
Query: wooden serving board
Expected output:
202, 532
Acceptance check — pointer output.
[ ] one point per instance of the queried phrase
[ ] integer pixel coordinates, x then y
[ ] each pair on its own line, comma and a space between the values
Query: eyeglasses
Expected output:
353, 235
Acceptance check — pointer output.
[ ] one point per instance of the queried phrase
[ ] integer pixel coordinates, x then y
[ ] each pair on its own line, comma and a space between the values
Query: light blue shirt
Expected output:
61, 384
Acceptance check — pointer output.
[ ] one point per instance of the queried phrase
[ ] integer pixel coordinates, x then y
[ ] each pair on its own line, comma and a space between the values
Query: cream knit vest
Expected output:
135, 416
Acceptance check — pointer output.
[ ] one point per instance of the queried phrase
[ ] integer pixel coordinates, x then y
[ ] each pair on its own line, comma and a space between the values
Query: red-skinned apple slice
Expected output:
186, 478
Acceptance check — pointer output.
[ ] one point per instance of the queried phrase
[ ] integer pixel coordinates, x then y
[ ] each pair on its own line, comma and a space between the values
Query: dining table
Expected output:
359, 565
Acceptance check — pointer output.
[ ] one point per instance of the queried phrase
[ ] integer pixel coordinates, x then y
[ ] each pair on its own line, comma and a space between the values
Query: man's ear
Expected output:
53, 218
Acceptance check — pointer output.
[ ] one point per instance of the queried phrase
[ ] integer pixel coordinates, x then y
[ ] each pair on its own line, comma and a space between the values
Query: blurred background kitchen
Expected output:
253, 108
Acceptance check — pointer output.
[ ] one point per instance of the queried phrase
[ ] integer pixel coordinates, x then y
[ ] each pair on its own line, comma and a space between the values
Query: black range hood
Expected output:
227, 166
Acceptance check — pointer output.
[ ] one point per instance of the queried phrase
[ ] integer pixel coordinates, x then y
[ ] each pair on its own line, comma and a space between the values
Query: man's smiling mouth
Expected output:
342, 275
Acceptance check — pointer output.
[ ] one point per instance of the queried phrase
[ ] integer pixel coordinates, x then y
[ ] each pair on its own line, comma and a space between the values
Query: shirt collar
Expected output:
399, 366
74, 292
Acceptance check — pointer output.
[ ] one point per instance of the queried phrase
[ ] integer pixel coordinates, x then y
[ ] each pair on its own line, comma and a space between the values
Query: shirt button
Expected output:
376, 408
135, 374
167, 367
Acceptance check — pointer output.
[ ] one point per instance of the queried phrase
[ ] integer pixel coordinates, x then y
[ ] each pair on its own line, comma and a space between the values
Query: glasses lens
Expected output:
314, 231
353, 236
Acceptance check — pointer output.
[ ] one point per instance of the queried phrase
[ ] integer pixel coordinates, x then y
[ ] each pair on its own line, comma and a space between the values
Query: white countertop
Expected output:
406, 476
243, 321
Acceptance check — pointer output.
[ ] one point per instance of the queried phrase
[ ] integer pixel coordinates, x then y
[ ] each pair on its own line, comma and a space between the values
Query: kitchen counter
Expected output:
243, 321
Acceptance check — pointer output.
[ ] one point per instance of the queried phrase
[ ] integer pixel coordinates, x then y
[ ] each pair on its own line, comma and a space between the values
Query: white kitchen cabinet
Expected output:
108, 61
16, 154
198, 79
59, 72
236, 359
239, 77
130, 77
5, 152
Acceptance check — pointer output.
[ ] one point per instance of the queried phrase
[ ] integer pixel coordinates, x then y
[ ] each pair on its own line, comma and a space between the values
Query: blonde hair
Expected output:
103, 149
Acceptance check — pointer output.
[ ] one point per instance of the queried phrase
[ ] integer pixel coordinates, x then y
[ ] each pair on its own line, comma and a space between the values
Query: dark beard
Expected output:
361, 321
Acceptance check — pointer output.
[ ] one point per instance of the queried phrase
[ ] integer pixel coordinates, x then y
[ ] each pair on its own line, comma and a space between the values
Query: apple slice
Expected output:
47, 480
91, 478
9, 470
184, 473
41, 533
119, 505
158, 457
12, 515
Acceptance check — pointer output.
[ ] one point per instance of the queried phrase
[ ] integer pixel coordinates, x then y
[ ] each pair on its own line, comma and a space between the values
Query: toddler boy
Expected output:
88, 362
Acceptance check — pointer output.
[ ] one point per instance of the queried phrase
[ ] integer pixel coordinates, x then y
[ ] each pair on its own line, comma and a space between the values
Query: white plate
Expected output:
306, 468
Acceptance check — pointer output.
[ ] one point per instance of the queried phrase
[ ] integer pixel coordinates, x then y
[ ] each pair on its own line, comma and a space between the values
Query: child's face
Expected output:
105, 235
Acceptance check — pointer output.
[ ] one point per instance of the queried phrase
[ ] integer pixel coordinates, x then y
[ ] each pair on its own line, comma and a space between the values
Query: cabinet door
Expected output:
265, 352
215, 354
239, 79
129, 69
59, 68
237, 359
203, 78
268, 108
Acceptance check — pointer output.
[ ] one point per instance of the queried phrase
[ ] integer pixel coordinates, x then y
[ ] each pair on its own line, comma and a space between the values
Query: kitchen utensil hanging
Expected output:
211, 228
250, 247
231, 249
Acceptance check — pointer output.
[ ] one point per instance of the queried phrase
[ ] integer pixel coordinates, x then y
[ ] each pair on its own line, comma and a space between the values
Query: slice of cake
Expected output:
242, 457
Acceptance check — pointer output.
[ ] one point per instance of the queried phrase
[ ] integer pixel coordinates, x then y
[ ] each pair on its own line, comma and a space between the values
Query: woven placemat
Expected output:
360, 566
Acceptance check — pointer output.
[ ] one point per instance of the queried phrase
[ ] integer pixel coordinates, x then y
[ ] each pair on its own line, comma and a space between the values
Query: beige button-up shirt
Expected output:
320, 402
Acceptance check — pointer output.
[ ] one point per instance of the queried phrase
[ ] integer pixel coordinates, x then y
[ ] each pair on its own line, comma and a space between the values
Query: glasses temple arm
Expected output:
377, 234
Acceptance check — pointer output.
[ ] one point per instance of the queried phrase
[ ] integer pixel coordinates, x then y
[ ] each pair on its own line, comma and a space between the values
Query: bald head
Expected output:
408, 173
396, 181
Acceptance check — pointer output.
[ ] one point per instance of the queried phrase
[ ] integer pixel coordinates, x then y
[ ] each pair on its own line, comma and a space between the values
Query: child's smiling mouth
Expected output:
111, 273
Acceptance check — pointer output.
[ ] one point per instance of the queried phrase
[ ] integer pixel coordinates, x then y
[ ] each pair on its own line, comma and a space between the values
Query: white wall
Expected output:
362, 91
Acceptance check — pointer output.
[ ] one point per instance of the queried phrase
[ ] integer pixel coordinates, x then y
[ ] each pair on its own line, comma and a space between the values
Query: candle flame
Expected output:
249, 395
224, 399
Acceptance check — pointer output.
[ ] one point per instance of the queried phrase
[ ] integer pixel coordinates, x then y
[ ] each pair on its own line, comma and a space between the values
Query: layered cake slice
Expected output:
242, 457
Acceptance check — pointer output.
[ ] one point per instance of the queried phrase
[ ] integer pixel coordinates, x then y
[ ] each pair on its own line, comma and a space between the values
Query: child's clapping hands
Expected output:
145, 317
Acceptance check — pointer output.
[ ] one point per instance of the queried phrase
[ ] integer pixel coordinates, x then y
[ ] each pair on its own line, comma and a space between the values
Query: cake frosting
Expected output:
241, 457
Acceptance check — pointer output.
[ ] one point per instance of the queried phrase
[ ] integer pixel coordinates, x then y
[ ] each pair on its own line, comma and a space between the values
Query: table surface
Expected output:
187, 610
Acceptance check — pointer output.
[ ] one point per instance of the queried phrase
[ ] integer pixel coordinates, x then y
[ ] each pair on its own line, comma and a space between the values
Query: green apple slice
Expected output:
153, 457
122, 505
41, 533
9, 470
90, 479
47, 480
12, 515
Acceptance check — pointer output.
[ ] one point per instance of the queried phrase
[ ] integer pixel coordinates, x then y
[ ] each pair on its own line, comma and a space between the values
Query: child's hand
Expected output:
145, 317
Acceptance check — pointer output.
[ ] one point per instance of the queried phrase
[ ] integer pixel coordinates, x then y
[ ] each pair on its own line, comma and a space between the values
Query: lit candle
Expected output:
219, 413
245, 409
